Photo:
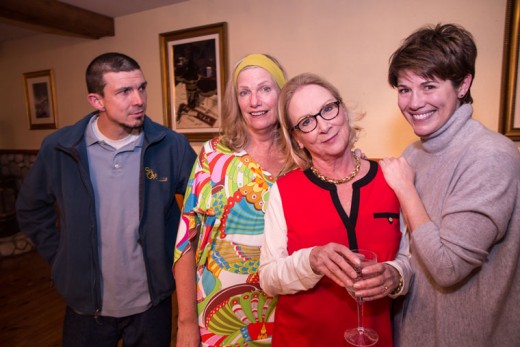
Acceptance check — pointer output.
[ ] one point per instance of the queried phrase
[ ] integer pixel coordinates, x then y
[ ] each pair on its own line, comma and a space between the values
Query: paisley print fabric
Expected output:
224, 209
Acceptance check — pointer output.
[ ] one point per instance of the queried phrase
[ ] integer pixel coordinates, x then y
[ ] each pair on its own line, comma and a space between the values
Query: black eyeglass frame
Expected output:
315, 116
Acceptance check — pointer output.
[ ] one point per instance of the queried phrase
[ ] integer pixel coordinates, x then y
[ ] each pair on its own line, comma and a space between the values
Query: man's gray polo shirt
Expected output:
115, 178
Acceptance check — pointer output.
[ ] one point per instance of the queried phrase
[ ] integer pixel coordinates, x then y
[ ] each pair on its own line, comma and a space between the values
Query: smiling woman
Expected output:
257, 98
317, 214
428, 103
459, 191
221, 230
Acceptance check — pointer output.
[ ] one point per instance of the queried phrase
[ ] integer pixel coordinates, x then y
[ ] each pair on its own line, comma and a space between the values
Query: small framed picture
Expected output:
40, 99
194, 63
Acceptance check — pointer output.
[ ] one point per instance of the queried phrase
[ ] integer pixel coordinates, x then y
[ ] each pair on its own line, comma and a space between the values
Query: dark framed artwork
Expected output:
510, 98
194, 64
40, 99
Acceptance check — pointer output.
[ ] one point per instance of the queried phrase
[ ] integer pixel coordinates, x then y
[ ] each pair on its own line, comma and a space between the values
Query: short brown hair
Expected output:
447, 52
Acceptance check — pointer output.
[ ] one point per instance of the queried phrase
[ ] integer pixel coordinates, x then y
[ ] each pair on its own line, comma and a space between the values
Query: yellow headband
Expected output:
264, 62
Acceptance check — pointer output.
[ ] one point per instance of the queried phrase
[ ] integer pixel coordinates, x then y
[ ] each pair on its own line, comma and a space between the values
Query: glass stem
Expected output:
360, 314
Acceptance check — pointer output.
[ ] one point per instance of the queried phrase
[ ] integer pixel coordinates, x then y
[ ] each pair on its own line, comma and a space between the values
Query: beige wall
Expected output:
347, 41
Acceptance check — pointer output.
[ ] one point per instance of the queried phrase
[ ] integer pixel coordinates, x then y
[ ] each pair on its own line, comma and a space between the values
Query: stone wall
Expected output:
14, 165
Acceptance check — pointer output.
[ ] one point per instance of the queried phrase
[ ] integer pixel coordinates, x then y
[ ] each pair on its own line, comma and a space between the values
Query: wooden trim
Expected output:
56, 17
510, 93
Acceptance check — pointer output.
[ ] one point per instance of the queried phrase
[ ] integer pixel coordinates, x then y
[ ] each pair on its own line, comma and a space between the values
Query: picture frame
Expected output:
194, 72
509, 120
40, 99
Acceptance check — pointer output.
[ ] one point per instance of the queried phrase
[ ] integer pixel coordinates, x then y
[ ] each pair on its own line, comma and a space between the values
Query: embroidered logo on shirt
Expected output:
151, 175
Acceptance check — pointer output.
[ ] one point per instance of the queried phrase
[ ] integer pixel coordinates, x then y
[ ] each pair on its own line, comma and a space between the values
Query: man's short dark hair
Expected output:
107, 62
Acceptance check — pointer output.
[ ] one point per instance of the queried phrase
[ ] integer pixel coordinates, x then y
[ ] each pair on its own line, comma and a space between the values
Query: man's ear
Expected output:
96, 101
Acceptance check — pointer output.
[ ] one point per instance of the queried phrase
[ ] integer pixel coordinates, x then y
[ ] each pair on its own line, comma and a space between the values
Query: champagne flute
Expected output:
361, 336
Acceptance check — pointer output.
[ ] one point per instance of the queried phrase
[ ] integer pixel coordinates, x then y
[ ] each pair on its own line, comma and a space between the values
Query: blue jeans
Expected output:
150, 328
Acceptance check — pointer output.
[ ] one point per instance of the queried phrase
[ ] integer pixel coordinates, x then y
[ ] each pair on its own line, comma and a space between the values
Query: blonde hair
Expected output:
233, 127
295, 155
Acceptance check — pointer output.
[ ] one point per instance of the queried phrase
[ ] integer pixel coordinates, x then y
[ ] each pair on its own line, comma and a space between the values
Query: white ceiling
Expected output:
111, 8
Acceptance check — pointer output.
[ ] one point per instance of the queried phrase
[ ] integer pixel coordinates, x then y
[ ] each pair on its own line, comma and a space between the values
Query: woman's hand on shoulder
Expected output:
398, 173
358, 153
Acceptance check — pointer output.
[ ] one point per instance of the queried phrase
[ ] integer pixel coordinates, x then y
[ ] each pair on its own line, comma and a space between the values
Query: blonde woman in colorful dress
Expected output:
218, 244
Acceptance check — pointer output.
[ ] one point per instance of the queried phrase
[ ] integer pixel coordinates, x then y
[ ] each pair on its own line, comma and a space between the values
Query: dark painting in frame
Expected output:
194, 72
510, 103
40, 99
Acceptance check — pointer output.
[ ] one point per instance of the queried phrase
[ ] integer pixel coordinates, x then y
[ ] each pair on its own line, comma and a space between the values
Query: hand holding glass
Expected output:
361, 336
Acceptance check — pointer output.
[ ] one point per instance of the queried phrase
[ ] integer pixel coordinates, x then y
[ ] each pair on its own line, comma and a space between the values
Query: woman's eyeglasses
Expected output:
309, 123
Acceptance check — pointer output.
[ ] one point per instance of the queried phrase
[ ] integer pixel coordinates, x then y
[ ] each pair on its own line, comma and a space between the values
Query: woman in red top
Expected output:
333, 202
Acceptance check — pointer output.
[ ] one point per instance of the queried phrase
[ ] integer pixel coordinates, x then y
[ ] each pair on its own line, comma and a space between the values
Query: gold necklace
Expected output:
341, 180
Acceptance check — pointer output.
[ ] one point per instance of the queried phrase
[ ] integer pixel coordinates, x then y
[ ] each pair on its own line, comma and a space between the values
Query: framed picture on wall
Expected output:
40, 99
510, 98
194, 63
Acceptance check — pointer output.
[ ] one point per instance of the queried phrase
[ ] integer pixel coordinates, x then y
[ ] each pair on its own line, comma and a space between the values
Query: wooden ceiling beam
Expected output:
52, 16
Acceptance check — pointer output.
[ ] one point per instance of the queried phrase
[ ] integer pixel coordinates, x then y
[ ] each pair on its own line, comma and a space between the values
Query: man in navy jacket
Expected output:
99, 204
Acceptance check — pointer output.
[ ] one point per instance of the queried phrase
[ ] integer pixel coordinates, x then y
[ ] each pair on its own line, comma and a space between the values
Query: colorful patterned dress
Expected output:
224, 206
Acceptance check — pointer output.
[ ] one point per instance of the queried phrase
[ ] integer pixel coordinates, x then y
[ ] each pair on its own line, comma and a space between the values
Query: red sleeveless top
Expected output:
314, 217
